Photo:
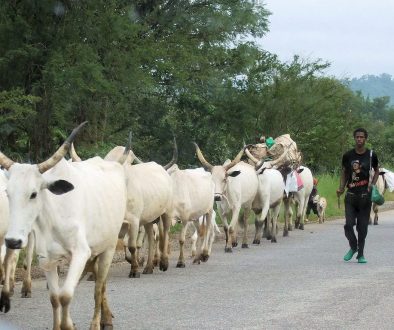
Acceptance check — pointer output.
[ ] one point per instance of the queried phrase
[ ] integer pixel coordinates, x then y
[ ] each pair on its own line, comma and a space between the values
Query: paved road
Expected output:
301, 282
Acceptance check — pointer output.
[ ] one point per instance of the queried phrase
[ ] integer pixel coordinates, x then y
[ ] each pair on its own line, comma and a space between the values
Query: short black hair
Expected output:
360, 130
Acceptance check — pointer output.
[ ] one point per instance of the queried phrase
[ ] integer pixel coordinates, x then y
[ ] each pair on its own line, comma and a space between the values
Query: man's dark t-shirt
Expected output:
357, 169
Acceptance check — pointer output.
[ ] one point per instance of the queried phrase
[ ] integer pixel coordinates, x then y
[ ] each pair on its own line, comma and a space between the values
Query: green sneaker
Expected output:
349, 255
362, 260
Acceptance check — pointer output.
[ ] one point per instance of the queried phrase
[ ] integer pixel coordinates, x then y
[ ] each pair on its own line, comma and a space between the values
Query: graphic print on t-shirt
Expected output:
357, 168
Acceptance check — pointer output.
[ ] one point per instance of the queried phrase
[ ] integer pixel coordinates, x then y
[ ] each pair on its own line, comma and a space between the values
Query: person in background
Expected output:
356, 164
311, 201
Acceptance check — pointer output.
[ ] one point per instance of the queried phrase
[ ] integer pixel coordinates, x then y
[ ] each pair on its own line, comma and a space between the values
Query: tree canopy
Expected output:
188, 68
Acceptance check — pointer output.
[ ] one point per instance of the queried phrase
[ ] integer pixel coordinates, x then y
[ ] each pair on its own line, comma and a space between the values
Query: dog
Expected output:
321, 208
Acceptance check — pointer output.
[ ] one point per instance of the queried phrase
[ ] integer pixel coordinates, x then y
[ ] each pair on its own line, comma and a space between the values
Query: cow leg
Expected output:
52, 278
66, 293
182, 237
375, 210
201, 229
258, 225
5, 303
301, 212
156, 258
211, 239
151, 242
223, 218
26, 287
164, 227
194, 238
132, 245
275, 215
288, 214
102, 316
245, 224
207, 233
140, 242
232, 229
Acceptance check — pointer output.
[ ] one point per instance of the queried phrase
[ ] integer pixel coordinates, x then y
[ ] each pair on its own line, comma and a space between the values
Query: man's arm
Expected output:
342, 183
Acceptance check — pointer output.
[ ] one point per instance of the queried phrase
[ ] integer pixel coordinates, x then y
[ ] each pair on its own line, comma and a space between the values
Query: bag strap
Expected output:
370, 160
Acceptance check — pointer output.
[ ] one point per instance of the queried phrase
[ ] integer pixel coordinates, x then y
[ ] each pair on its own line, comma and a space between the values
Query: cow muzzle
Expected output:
218, 198
14, 244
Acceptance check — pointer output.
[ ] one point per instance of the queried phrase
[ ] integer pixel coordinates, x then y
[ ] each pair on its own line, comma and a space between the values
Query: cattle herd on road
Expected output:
79, 209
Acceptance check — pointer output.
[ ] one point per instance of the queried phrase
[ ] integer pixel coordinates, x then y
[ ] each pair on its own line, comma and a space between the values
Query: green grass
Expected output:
327, 187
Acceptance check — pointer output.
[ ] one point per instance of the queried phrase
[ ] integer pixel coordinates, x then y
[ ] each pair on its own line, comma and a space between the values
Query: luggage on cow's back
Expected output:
280, 154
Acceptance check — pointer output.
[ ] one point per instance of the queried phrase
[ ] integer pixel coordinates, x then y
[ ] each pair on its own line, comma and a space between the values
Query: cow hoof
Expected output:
235, 244
269, 237
296, 225
204, 257
180, 264
197, 261
245, 246
228, 250
147, 270
290, 228
106, 327
285, 233
273, 240
163, 265
301, 227
5, 303
134, 274
25, 294
256, 241
375, 223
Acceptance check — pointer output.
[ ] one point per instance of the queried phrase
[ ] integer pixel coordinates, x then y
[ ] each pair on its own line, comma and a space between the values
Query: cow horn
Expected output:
135, 158
126, 151
236, 160
74, 155
201, 158
250, 156
59, 154
5, 161
174, 156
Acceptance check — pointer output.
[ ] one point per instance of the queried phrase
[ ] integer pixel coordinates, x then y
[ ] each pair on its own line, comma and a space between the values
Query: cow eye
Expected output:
33, 195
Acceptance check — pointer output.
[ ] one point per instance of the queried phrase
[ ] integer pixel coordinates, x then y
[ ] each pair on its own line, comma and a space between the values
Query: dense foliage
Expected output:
164, 67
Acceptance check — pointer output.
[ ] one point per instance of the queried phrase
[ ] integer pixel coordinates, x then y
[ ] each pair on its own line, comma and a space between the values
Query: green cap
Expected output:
269, 142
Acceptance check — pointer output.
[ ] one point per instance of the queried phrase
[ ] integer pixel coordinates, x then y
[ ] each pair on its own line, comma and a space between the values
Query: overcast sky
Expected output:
356, 36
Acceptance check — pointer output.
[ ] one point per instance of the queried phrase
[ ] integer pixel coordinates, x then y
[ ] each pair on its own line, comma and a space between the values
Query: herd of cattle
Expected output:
78, 210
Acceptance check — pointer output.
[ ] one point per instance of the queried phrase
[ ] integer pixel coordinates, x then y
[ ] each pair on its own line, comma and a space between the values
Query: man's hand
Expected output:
340, 191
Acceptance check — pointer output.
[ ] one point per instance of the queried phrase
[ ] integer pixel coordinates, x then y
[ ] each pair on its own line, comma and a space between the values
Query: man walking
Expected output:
356, 165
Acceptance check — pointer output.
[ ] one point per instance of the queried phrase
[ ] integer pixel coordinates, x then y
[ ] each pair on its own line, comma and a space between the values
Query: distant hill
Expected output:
373, 86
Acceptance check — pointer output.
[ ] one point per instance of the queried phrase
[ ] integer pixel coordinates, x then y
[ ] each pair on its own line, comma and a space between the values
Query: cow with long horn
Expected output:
235, 188
75, 210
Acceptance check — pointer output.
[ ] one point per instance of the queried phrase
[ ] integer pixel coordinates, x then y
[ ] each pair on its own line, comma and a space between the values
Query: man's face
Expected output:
360, 139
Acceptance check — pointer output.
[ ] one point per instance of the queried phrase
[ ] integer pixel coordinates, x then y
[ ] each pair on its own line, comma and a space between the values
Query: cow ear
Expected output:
234, 173
60, 187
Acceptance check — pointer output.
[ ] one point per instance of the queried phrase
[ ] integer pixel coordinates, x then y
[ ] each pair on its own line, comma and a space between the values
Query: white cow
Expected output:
193, 197
75, 211
9, 257
300, 198
269, 198
149, 197
236, 186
